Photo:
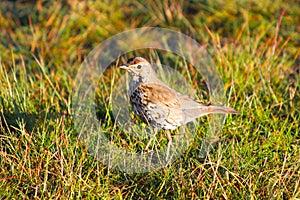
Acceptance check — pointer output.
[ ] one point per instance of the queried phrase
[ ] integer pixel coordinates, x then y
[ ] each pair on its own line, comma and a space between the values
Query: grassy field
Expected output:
256, 47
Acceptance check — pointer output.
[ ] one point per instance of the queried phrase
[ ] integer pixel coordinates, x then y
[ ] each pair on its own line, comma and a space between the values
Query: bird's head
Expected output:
138, 67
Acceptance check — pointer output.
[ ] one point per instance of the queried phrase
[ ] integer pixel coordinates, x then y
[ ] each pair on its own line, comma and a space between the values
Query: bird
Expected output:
159, 105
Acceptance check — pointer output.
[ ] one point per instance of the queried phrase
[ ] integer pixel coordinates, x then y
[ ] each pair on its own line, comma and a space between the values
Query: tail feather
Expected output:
191, 114
221, 110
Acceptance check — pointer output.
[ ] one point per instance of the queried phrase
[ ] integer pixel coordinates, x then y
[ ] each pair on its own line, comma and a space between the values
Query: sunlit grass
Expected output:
255, 47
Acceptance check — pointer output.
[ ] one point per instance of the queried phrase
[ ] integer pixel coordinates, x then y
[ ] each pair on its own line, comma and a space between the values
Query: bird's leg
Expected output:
152, 137
169, 137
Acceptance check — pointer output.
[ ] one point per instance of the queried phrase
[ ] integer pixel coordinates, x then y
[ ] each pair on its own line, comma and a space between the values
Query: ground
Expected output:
255, 46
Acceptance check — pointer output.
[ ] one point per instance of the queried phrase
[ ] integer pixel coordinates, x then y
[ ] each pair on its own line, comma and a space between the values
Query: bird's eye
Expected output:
139, 66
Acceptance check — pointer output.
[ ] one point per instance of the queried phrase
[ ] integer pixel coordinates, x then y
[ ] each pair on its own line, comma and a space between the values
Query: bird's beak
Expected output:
124, 66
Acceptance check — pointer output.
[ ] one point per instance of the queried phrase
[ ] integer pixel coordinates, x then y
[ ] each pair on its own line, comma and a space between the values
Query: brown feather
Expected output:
160, 94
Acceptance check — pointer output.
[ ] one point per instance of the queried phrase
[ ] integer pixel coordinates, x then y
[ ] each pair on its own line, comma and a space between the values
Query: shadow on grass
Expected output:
16, 121
12, 121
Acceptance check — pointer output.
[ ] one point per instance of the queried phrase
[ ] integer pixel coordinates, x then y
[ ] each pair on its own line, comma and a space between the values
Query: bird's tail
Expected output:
220, 110
191, 114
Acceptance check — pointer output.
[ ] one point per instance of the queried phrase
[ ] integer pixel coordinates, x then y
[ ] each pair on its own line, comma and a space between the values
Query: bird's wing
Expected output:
160, 94
187, 103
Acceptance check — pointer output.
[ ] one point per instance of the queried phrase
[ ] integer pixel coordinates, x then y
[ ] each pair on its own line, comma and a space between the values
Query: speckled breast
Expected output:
150, 113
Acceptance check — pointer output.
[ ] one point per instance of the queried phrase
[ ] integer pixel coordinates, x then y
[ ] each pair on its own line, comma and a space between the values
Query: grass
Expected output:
255, 47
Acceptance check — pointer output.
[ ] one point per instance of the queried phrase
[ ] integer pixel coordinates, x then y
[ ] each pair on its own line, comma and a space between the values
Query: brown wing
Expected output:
187, 102
160, 94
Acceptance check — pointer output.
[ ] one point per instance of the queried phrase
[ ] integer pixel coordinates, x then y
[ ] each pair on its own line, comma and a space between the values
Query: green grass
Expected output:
255, 47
